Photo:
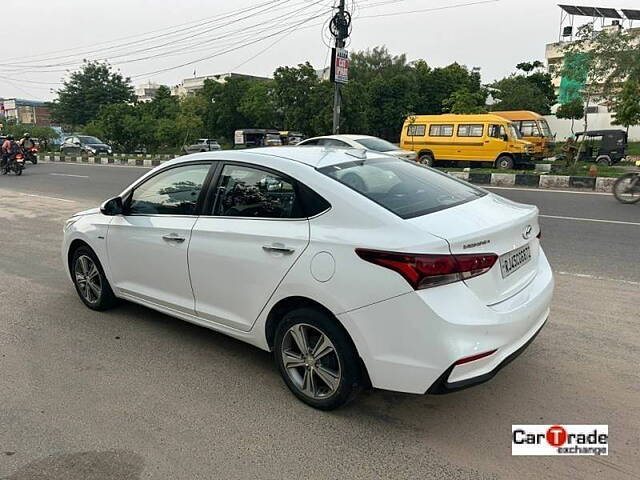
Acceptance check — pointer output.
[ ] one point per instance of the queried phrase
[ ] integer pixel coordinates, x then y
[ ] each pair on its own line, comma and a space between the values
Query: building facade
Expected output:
189, 86
28, 112
146, 92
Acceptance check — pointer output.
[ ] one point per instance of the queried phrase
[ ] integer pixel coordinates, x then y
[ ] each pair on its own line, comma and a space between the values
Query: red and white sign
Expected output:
340, 66
560, 440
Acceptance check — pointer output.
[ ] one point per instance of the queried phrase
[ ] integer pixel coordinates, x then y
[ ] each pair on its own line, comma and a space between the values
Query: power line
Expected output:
191, 24
208, 57
433, 9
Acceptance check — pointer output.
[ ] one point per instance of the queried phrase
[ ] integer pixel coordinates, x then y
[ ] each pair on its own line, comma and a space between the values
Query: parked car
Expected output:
477, 138
351, 266
256, 137
291, 138
203, 145
605, 147
359, 141
84, 144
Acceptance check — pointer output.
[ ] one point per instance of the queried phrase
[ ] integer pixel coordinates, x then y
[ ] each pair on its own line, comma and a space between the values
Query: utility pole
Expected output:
340, 30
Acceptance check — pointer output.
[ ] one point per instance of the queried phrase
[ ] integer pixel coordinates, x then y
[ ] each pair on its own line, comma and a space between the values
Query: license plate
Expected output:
515, 259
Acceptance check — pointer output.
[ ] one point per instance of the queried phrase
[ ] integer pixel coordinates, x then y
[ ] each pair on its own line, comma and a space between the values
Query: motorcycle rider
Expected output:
25, 142
9, 148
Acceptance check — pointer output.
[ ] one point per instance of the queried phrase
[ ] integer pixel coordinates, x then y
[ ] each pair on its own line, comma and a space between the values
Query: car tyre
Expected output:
426, 159
504, 162
317, 359
603, 160
90, 281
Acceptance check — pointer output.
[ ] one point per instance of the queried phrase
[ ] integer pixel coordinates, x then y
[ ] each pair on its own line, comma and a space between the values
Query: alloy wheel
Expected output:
311, 361
88, 279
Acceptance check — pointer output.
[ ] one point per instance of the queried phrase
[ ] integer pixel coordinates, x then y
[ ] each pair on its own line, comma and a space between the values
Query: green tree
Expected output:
573, 110
189, 123
294, 89
81, 97
518, 92
124, 126
221, 101
163, 104
258, 105
529, 67
626, 104
464, 101
19, 129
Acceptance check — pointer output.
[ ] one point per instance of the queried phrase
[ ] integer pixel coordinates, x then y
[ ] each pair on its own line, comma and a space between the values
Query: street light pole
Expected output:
340, 37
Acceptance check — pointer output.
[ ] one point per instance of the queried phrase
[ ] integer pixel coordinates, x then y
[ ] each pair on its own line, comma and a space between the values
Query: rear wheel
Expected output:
626, 189
504, 162
603, 160
18, 171
316, 359
426, 159
90, 281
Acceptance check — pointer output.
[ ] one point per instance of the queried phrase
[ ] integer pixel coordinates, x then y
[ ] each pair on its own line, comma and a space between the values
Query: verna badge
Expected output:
526, 233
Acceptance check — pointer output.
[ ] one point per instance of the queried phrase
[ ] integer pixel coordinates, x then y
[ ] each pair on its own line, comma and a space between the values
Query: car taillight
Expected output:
423, 270
473, 358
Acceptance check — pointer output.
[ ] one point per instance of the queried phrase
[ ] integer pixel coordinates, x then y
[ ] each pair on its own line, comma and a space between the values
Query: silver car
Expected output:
203, 145
360, 141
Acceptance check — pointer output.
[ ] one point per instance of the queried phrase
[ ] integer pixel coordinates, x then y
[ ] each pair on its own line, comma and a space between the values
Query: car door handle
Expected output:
173, 237
278, 247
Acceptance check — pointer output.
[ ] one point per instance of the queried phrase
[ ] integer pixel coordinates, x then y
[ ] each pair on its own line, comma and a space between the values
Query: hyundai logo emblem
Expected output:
526, 233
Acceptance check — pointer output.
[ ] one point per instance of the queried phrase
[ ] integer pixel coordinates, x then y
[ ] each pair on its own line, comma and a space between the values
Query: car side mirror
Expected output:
113, 206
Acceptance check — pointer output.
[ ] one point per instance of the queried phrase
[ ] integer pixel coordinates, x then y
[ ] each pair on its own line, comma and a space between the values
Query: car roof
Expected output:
316, 157
349, 136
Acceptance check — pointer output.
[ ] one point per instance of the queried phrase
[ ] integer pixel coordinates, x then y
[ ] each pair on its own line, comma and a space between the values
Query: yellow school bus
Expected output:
466, 138
534, 129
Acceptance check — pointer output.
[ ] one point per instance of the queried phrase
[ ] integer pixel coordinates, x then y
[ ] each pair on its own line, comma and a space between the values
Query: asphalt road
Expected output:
132, 394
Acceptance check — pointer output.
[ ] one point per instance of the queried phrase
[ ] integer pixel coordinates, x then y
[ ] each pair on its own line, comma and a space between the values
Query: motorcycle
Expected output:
15, 164
31, 154
626, 188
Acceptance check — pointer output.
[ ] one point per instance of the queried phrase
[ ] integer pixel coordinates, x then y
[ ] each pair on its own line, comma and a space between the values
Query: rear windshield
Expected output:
377, 144
403, 187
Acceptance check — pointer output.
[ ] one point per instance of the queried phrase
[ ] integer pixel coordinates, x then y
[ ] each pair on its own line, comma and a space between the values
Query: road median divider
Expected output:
597, 184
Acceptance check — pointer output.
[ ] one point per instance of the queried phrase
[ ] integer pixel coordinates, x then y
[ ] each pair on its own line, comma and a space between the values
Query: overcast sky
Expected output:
492, 35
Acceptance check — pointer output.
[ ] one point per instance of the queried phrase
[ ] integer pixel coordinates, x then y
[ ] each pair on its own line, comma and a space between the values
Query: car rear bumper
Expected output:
411, 343
443, 385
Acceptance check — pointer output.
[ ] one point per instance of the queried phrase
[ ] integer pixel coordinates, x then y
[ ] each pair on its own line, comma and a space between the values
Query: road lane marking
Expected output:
69, 175
45, 196
597, 220
596, 277
544, 190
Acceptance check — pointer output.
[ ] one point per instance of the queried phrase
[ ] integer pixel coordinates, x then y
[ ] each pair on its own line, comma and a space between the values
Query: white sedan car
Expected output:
354, 268
359, 141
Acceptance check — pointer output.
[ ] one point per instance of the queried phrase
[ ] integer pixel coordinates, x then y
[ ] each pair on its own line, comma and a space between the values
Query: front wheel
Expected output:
90, 281
316, 359
504, 162
626, 189
426, 159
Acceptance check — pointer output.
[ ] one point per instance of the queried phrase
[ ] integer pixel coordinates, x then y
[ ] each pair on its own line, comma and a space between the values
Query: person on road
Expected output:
26, 142
9, 147
570, 149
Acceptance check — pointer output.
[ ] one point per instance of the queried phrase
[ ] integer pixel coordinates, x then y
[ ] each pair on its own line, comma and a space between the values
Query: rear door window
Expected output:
404, 188
441, 130
470, 130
